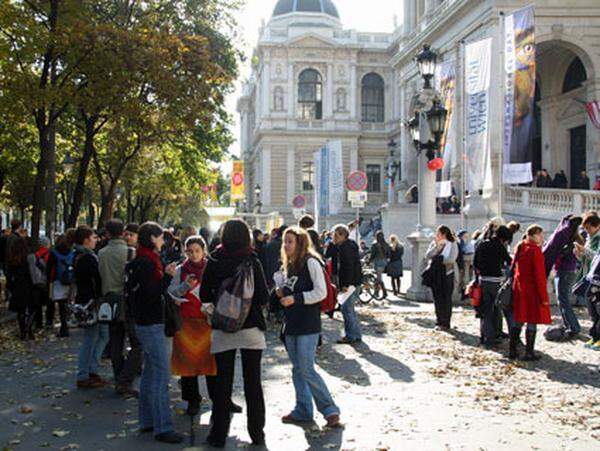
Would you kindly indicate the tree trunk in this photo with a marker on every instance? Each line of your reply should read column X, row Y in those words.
column 51, row 182
column 107, row 205
column 40, row 178
column 86, row 158
column 91, row 214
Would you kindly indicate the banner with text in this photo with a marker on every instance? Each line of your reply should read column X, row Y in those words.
column 478, row 166
column 519, row 115
column 446, row 86
column 237, row 181
column 329, row 178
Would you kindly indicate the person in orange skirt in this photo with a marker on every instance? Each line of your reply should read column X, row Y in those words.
column 191, row 355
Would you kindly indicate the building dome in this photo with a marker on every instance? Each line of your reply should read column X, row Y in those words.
column 305, row 6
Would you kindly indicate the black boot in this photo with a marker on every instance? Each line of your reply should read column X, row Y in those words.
column 513, row 343
column 529, row 344
column 30, row 319
column 21, row 320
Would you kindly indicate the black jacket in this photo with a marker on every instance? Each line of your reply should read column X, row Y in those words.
column 147, row 306
column 222, row 265
column 348, row 263
column 87, row 276
column 300, row 318
column 490, row 258
column 272, row 259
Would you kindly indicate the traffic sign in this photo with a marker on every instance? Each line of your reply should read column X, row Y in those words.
column 298, row 212
column 357, row 196
column 357, row 181
column 357, row 204
column 299, row 201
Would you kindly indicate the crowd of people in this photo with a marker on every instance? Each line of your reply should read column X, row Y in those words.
column 543, row 179
column 182, row 303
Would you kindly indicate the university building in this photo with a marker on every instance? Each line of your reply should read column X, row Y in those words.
column 315, row 81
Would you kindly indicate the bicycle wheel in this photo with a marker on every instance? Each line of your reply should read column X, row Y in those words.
column 366, row 291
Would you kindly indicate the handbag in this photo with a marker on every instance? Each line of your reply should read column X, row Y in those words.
column 473, row 292
column 504, row 298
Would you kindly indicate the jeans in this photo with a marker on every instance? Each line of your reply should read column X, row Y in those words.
column 351, row 324
column 255, row 402
column 154, row 408
column 94, row 340
column 308, row 384
column 563, row 282
column 125, row 370
column 489, row 312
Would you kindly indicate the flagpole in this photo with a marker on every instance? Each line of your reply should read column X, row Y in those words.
column 501, row 32
column 463, row 172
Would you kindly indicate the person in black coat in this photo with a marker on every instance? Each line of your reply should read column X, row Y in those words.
column 236, row 249
column 19, row 282
column 89, row 291
column 349, row 274
column 273, row 256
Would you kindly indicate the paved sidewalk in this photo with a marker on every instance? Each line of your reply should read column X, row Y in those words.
column 406, row 387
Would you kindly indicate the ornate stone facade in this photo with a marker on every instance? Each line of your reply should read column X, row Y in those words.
column 280, row 131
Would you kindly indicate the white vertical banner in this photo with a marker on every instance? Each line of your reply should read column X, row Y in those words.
column 317, row 186
column 478, row 165
column 336, row 177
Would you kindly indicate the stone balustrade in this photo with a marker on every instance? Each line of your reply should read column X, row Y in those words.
column 548, row 203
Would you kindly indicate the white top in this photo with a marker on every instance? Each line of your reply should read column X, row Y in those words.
column 319, row 291
column 253, row 338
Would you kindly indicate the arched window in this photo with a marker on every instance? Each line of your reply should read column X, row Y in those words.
column 310, row 95
column 575, row 76
column 278, row 99
column 372, row 98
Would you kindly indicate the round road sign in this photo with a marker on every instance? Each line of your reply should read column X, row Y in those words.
column 357, row 181
column 299, row 201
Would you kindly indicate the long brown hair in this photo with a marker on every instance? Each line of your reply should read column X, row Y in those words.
column 304, row 250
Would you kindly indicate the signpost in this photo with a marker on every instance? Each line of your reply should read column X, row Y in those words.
column 357, row 184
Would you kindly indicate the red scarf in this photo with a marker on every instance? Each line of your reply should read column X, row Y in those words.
column 197, row 269
column 153, row 256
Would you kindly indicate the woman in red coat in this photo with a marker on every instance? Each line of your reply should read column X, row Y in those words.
column 531, row 303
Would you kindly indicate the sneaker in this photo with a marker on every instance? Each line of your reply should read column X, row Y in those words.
column 89, row 383
column 169, row 437
column 333, row 421
column 596, row 346
column 589, row 343
column 290, row 419
column 127, row 391
column 348, row 341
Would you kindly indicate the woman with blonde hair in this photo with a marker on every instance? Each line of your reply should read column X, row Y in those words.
column 301, row 292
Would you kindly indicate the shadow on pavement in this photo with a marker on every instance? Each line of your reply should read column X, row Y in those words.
column 335, row 363
column 395, row 368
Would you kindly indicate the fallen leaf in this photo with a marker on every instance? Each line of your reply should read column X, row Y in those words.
column 60, row 433
column 26, row 409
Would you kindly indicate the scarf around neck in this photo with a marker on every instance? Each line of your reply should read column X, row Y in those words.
column 151, row 255
column 189, row 267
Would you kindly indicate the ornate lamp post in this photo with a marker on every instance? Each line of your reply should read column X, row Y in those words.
column 426, row 128
column 393, row 171
column 258, row 204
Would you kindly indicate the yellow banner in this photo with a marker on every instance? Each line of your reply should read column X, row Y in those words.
column 237, row 181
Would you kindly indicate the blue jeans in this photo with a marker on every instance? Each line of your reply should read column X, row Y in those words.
column 94, row 341
column 154, row 408
column 563, row 282
column 308, row 384
column 351, row 324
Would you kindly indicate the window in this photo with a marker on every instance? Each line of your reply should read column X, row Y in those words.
column 372, row 98
column 374, row 178
column 308, row 176
column 575, row 76
column 310, row 95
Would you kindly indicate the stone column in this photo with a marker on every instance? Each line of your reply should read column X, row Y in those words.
column 353, row 89
column 266, row 177
column 328, row 95
column 593, row 136
column 410, row 11
column 291, row 97
column 266, row 90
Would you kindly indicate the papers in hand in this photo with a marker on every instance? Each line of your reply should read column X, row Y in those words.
column 279, row 279
column 343, row 296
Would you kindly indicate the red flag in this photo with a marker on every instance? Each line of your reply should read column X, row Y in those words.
column 593, row 109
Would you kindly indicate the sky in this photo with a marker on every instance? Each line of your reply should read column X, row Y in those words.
column 361, row 15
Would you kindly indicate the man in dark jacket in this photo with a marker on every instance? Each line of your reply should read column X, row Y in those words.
column 491, row 257
column 89, row 289
column 273, row 256
column 307, row 223
column 349, row 274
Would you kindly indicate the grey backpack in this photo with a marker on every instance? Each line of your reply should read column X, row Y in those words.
column 234, row 299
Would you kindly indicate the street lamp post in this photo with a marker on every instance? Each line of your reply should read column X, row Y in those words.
column 258, row 204
column 392, row 172
column 426, row 128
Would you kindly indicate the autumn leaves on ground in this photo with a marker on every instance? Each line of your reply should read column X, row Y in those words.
column 406, row 387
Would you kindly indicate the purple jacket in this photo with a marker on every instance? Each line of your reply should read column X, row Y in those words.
column 562, row 236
